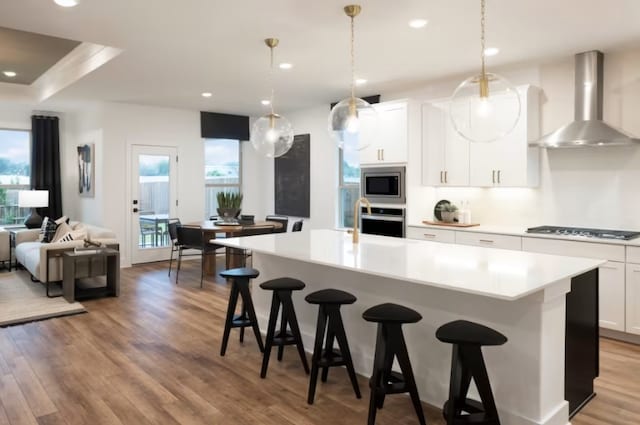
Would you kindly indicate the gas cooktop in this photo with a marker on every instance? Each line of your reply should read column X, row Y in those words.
column 588, row 233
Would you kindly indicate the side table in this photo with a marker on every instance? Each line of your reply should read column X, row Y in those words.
column 90, row 263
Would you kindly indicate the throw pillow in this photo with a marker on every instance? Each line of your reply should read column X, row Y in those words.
column 50, row 231
column 43, row 229
column 61, row 231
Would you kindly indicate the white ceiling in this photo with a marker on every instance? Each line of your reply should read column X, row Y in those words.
column 174, row 50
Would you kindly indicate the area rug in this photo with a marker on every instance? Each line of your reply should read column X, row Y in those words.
column 22, row 300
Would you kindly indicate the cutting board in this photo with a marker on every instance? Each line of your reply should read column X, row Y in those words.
column 442, row 223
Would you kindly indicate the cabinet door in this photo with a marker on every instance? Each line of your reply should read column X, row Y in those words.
column 456, row 154
column 612, row 296
column 369, row 133
column 393, row 132
column 433, row 144
column 633, row 299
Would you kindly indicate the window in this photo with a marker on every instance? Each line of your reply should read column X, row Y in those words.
column 222, row 170
column 349, row 189
column 15, row 174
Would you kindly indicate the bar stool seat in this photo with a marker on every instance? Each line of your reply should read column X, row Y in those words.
column 240, row 278
column 390, row 344
column 286, row 283
column 330, row 320
column 282, row 291
column 467, row 363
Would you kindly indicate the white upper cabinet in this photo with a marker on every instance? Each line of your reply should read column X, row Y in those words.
column 509, row 161
column 450, row 160
column 390, row 143
column 445, row 154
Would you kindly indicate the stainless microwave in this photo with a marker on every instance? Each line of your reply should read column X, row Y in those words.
column 383, row 184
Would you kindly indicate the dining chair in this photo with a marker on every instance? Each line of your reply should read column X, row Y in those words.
column 251, row 231
column 173, row 235
column 192, row 238
column 297, row 226
column 284, row 220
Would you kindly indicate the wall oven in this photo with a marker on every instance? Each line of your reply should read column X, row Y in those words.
column 383, row 221
column 383, row 184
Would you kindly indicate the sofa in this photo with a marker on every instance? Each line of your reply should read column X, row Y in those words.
column 44, row 260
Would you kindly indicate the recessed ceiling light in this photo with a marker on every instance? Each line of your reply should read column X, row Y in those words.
column 491, row 51
column 265, row 102
column 418, row 23
column 361, row 81
column 207, row 94
column 285, row 65
column 9, row 74
column 67, row 3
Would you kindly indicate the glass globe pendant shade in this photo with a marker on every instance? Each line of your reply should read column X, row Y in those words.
column 353, row 124
column 485, row 109
column 272, row 135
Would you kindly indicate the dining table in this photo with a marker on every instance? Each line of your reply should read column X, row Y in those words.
column 212, row 228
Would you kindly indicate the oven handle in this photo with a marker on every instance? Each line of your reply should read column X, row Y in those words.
column 382, row 218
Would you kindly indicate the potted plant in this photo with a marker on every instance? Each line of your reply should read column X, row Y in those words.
column 229, row 205
column 448, row 212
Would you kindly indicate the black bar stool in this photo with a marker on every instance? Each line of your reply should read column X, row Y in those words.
column 390, row 344
column 329, row 318
column 467, row 362
column 240, row 286
column 282, row 289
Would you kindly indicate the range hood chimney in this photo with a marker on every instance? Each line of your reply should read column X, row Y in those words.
column 587, row 129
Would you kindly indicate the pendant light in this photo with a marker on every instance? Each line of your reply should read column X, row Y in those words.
column 272, row 134
column 485, row 107
column 353, row 121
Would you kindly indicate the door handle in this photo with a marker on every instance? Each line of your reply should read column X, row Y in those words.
column 441, row 180
column 493, row 176
column 498, row 176
column 445, row 177
column 135, row 210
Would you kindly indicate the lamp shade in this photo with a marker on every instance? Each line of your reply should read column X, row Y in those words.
column 33, row 198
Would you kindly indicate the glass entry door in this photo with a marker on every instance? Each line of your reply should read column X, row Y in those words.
column 153, row 201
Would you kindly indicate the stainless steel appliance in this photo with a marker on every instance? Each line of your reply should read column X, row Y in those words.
column 383, row 184
column 588, row 233
column 587, row 128
column 383, row 221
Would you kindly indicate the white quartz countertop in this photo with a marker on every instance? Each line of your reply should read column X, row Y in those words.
column 522, row 231
column 494, row 273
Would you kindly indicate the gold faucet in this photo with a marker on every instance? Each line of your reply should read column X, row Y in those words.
column 354, row 232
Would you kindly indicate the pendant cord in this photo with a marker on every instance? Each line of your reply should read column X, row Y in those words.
column 271, row 80
column 482, row 38
column 353, row 61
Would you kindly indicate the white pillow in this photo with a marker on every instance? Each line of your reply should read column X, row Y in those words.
column 61, row 231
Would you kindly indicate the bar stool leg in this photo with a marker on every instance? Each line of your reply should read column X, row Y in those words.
column 375, row 381
column 335, row 322
column 407, row 373
column 231, row 308
column 475, row 361
column 328, row 348
column 287, row 305
column 283, row 333
column 317, row 353
column 243, row 316
column 271, row 329
column 247, row 303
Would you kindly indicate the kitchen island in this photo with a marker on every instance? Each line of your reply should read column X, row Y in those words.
column 544, row 304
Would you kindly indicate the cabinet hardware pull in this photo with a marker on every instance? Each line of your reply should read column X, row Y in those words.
column 378, row 151
column 445, row 177
column 441, row 177
column 498, row 176
column 609, row 267
column 382, row 154
column 429, row 235
column 486, row 241
column 636, row 270
column 493, row 173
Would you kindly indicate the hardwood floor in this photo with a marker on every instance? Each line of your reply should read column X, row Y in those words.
column 152, row 357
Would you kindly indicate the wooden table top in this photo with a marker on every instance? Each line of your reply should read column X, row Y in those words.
column 208, row 225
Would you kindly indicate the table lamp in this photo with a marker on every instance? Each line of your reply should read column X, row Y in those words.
column 33, row 199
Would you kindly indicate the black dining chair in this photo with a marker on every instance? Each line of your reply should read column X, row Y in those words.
column 173, row 235
column 192, row 238
column 297, row 226
column 279, row 219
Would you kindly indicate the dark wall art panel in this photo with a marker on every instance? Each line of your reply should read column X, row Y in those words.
column 293, row 179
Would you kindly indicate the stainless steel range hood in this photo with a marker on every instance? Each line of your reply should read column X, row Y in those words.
column 587, row 129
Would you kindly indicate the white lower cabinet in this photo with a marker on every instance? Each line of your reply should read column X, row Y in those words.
column 429, row 234
column 489, row 240
column 612, row 295
column 633, row 299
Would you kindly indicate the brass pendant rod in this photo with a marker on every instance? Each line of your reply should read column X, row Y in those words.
column 353, row 61
column 482, row 36
column 271, row 43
